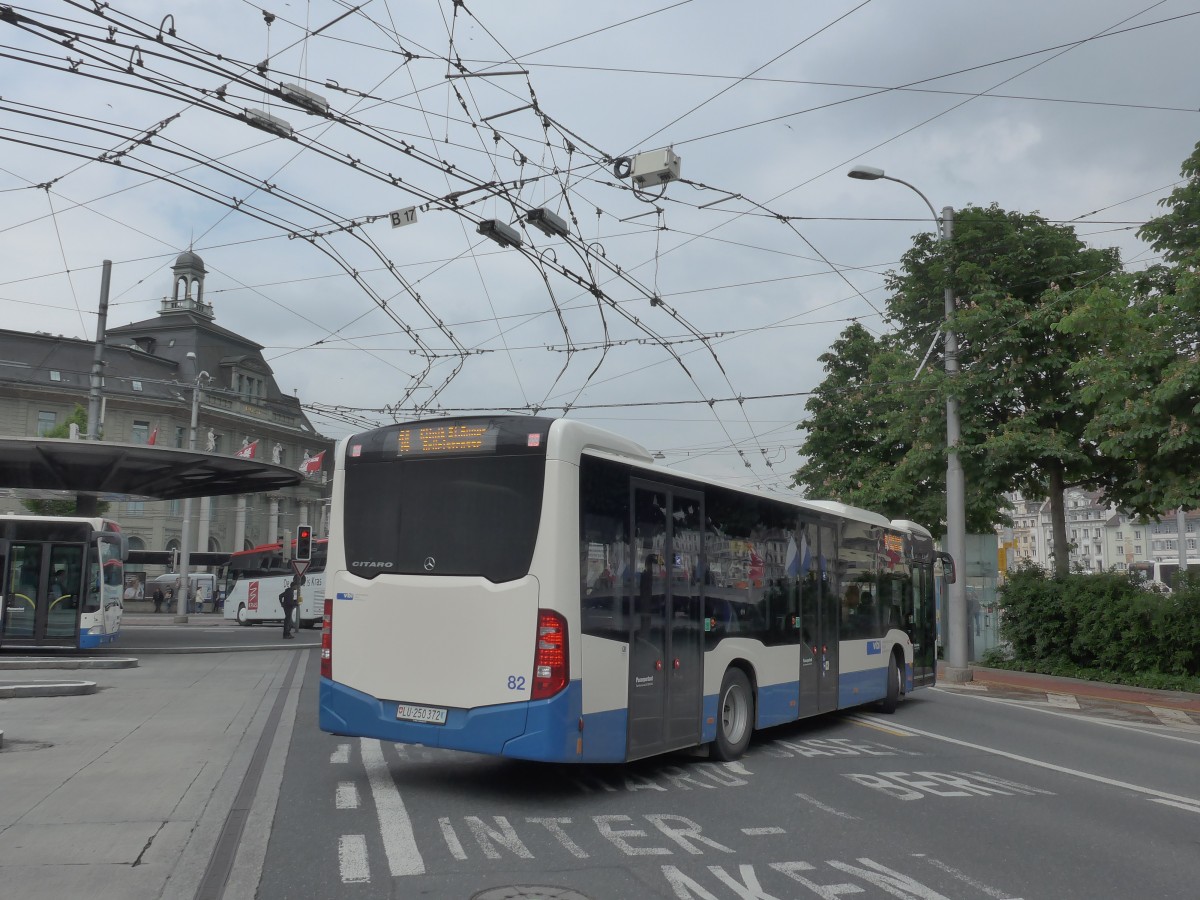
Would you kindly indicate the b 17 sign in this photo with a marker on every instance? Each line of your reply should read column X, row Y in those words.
column 402, row 217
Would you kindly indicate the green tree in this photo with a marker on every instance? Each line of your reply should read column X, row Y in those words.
column 1144, row 390
column 1013, row 276
column 65, row 506
column 872, row 434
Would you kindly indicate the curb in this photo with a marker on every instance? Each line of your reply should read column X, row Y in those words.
column 248, row 648
column 1098, row 690
column 47, row 689
column 50, row 662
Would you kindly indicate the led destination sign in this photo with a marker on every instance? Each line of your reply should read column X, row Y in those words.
column 446, row 438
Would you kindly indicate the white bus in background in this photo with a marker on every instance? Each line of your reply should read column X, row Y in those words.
column 538, row 588
column 255, row 578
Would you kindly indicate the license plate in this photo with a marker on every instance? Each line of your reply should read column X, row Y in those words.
column 429, row 714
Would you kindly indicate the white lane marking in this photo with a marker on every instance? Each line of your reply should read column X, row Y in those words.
column 395, row 827
column 1174, row 717
column 878, row 724
column 341, row 755
column 1053, row 767
column 451, row 838
column 1038, row 706
column 1066, row 701
column 1190, row 806
column 347, row 795
column 770, row 829
column 965, row 878
column 821, row 806
column 352, row 859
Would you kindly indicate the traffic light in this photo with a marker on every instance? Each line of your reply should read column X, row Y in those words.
column 304, row 542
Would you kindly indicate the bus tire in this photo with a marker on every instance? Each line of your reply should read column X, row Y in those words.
column 735, row 715
column 889, row 703
column 241, row 615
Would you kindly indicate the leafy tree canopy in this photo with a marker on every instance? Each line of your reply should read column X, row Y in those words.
column 1013, row 276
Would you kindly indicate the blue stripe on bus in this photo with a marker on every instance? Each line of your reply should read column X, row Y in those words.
column 708, row 725
column 605, row 736
column 776, row 704
column 855, row 688
column 544, row 730
column 88, row 641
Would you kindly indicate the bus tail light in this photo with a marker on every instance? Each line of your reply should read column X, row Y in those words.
column 550, row 671
column 327, row 640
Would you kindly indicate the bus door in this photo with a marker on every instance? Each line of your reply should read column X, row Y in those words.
column 42, row 595
column 808, row 621
column 666, row 665
column 827, row 619
column 921, row 625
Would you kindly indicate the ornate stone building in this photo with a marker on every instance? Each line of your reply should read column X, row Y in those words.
column 150, row 371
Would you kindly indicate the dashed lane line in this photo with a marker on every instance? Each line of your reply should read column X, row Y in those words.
column 1174, row 717
column 352, row 859
column 347, row 795
column 1064, row 701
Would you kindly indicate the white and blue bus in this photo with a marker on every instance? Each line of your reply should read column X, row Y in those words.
column 538, row 588
column 61, row 581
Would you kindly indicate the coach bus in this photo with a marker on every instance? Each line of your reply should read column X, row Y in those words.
column 538, row 588
column 255, row 578
column 61, row 581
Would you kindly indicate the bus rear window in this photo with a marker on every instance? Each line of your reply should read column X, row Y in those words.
column 457, row 515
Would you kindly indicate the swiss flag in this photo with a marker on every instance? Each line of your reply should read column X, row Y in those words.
column 248, row 451
column 312, row 464
column 153, row 437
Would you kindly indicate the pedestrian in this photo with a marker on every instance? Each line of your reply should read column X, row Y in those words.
column 287, row 600
column 199, row 599
column 158, row 599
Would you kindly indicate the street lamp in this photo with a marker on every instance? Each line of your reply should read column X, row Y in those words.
column 186, row 537
column 956, row 515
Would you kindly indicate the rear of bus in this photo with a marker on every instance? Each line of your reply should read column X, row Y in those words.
column 437, row 631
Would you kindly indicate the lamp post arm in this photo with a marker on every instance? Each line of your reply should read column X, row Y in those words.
column 912, row 187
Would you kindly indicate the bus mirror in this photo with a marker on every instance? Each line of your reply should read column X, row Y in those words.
column 948, row 570
column 118, row 538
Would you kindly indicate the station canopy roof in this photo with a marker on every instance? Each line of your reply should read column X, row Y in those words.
column 132, row 471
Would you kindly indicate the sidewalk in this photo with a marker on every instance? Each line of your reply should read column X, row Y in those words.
column 121, row 794
column 1097, row 690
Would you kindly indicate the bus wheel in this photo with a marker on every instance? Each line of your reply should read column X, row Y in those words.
column 241, row 615
column 889, row 703
column 735, row 715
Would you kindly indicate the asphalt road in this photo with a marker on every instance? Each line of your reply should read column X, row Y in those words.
column 201, row 773
column 962, row 793
column 159, row 634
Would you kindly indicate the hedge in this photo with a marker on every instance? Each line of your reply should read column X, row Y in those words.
column 1103, row 622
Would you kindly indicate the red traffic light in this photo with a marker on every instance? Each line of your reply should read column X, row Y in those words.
column 304, row 542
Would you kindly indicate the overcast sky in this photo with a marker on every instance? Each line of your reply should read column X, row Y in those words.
column 689, row 317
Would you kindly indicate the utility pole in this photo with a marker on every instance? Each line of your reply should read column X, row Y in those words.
column 85, row 504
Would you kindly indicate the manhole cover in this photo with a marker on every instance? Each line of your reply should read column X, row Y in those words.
column 530, row 892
